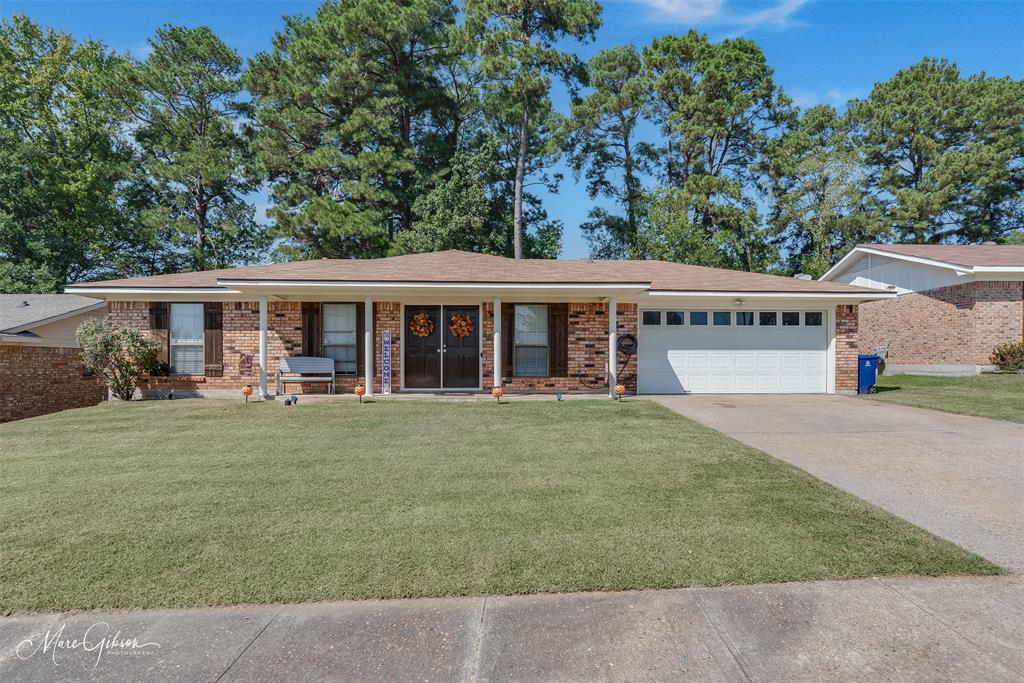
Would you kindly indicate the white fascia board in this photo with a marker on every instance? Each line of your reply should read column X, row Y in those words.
column 55, row 318
column 996, row 270
column 863, row 296
column 958, row 269
column 434, row 285
column 853, row 255
column 107, row 291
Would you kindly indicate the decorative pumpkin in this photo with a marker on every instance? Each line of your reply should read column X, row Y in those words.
column 620, row 390
column 460, row 325
column 421, row 325
column 497, row 392
column 247, row 392
column 359, row 391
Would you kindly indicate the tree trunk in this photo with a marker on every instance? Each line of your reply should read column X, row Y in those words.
column 630, row 194
column 517, row 206
column 201, row 209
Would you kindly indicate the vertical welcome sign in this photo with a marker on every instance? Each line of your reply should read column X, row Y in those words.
column 385, row 362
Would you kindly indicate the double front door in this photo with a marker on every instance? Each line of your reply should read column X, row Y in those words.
column 442, row 347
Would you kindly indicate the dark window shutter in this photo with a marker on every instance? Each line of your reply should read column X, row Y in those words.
column 213, row 339
column 312, row 329
column 558, row 340
column 159, row 316
column 360, row 346
column 508, row 333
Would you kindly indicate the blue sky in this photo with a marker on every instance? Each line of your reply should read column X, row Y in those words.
column 821, row 51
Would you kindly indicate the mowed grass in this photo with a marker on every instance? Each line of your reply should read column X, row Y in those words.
column 1000, row 397
column 191, row 502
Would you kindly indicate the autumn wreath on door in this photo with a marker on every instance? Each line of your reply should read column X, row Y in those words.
column 421, row 325
column 460, row 325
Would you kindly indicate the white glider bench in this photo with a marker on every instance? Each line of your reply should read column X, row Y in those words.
column 305, row 369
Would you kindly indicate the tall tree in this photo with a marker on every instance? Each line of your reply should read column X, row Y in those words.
column 605, row 144
column 62, row 161
column 945, row 153
column 818, row 187
column 518, row 57
column 185, row 98
column 352, row 113
column 718, row 107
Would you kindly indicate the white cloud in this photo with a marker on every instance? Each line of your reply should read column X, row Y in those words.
column 722, row 13
column 837, row 97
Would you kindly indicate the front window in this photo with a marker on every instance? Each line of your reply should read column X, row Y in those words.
column 531, row 340
column 187, row 339
column 340, row 337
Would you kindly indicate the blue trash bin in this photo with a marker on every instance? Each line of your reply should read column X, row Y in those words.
column 867, row 373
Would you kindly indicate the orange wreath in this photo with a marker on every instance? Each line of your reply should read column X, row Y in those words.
column 461, row 325
column 421, row 325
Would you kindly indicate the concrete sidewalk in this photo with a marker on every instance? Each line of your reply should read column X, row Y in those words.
column 964, row 629
column 958, row 476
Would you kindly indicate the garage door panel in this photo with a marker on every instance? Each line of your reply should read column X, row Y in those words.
column 732, row 359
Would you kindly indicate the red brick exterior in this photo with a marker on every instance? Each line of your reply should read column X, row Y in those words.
column 956, row 325
column 847, row 337
column 37, row 380
column 588, row 352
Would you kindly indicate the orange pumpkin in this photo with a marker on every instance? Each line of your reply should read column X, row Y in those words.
column 497, row 392
column 620, row 390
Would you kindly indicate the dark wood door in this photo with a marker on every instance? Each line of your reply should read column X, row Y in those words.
column 423, row 354
column 461, row 354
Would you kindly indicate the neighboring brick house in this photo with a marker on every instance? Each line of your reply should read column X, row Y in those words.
column 954, row 304
column 40, row 365
column 460, row 321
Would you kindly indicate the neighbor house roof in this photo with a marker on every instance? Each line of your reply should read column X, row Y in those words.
column 20, row 312
column 965, row 258
column 461, row 268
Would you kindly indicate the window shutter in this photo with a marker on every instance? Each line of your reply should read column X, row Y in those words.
column 159, row 316
column 508, row 333
column 312, row 329
column 213, row 339
column 360, row 346
column 558, row 339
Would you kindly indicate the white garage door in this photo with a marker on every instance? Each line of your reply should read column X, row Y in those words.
column 732, row 352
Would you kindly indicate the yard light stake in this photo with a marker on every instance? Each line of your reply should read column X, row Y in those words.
column 497, row 392
column 360, row 390
column 247, row 392
column 620, row 390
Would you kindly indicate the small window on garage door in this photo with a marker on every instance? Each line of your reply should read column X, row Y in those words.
column 791, row 319
column 698, row 317
column 767, row 318
column 744, row 318
column 812, row 318
column 673, row 317
column 652, row 317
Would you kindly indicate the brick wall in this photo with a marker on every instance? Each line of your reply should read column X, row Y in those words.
column 956, row 325
column 588, row 352
column 37, row 380
column 847, row 342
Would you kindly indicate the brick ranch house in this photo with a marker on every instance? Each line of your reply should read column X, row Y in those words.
column 954, row 304
column 41, row 367
column 460, row 321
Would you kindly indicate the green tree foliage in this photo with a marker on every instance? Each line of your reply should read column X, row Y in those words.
column 608, row 150
column 119, row 355
column 945, row 154
column 718, row 108
column 818, row 186
column 518, row 58
column 62, row 162
column 352, row 114
column 185, row 100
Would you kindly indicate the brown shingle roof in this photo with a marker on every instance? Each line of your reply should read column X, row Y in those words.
column 993, row 255
column 462, row 267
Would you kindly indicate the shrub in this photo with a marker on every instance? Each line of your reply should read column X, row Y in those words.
column 119, row 355
column 1008, row 356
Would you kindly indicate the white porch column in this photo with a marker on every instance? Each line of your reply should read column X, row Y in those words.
column 368, row 345
column 613, row 371
column 497, row 341
column 263, row 347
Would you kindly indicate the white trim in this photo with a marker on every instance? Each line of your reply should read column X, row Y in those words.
column 263, row 347
column 83, row 289
column 999, row 269
column 613, row 356
column 496, row 324
column 830, row 352
column 435, row 285
column 54, row 318
column 368, row 346
column 856, row 251
column 866, row 295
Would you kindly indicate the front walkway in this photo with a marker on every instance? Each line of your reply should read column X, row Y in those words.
column 959, row 477
column 965, row 629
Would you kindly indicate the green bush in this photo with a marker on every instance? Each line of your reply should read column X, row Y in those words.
column 1008, row 356
column 119, row 355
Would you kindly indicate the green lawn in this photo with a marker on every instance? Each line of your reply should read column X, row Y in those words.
column 997, row 396
column 213, row 502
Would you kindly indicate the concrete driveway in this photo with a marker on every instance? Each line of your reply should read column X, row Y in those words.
column 959, row 477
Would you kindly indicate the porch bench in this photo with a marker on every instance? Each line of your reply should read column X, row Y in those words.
column 304, row 369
